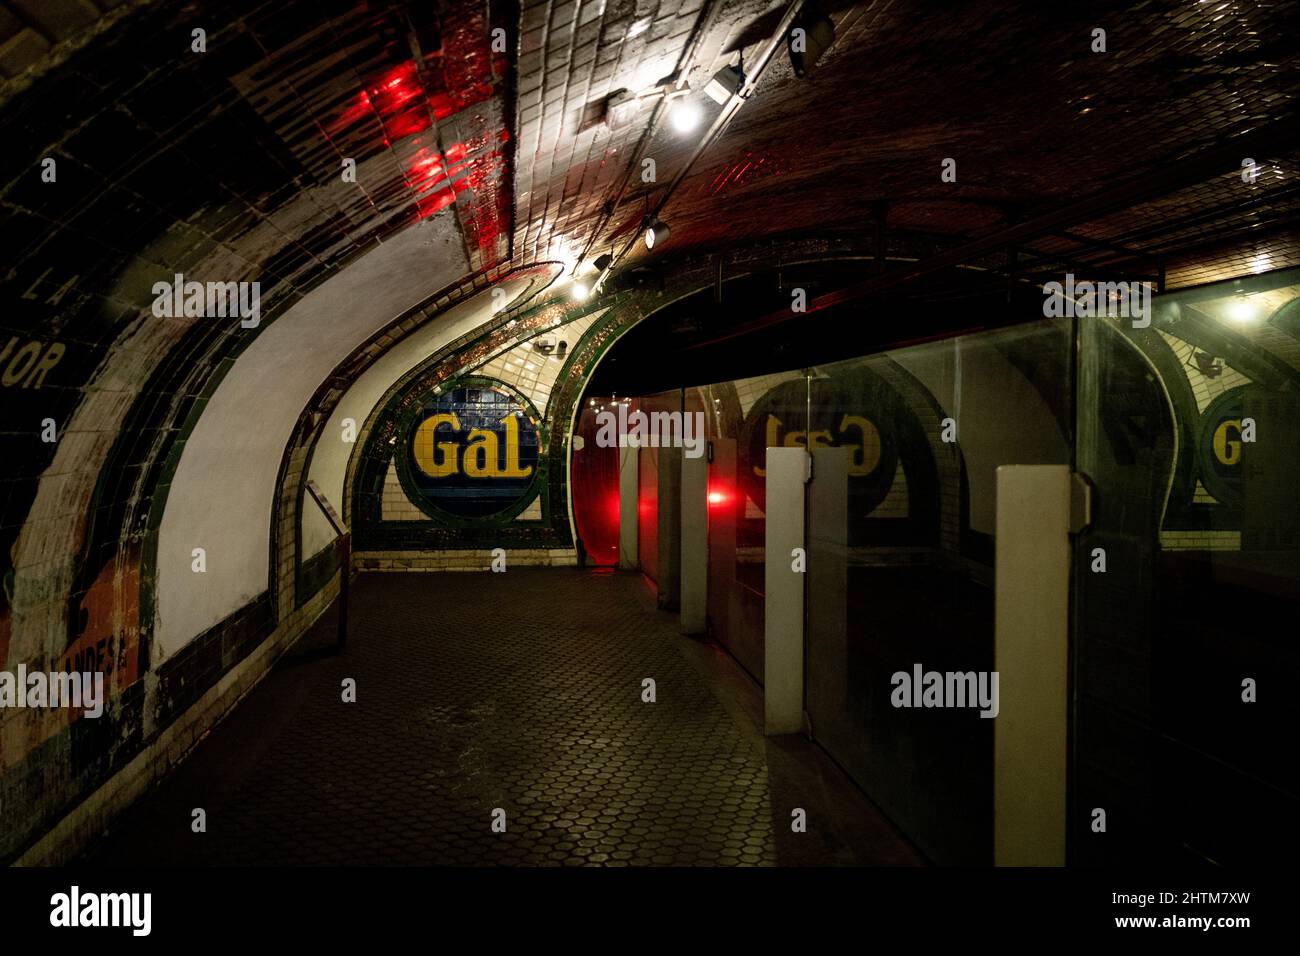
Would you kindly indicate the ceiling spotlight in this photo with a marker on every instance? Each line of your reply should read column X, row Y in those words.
column 561, row 251
column 811, row 36
column 685, row 116
column 621, row 108
column 580, row 292
column 725, row 84
column 656, row 233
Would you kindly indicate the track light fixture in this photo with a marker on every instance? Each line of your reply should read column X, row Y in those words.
column 811, row 36
column 621, row 108
column 725, row 84
column 656, row 233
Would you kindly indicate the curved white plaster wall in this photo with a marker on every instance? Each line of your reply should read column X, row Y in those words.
column 222, row 494
column 330, row 460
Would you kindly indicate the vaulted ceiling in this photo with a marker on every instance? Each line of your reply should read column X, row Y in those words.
column 216, row 139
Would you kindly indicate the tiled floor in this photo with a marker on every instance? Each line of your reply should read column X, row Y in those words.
column 520, row 691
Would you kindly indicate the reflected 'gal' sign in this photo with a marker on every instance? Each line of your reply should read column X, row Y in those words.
column 473, row 451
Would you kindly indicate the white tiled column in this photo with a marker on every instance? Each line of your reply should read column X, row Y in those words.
column 787, row 472
column 628, row 485
column 695, row 544
column 1031, row 642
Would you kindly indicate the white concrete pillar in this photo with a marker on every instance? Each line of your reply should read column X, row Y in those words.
column 629, row 480
column 694, row 544
column 1031, row 644
column 828, row 585
column 787, row 473
column 668, row 571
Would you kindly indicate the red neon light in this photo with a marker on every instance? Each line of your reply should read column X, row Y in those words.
column 718, row 496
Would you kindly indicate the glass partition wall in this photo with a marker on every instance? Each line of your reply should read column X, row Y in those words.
column 1186, row 584
column 900, row 568
column 1182, row 649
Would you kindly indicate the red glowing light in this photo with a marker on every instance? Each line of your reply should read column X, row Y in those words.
column 745, row 172
column 424, row 163
column 399, row 104
column 407, row 124
column 438, row 201
column 442, row 105
column 395, row 89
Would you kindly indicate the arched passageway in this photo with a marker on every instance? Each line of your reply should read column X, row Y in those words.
column 696, row 433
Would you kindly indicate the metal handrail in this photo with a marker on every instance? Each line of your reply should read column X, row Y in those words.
column 343, row 544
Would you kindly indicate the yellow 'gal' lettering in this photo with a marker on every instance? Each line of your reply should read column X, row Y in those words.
column 866, row 456
column 436, row 459
column 513, row 468
column 1228, row 452
column 481, row 454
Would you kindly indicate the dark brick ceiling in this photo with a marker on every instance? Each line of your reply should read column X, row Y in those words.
column 231, row 158
column 225, row 164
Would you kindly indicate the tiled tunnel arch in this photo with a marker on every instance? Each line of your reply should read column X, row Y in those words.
column 624, row 307
column 472, row 163
column 618, row 313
